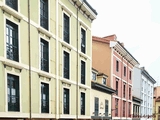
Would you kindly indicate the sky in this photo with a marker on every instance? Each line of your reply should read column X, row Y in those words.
column 136, row 23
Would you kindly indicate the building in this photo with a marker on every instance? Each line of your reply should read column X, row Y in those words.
column 147, row 83
column 45, row 59
column 136, row 93
column 118, row 64
column 156, row 103
column 101, row 96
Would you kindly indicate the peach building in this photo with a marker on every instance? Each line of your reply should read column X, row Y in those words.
column 110, row 57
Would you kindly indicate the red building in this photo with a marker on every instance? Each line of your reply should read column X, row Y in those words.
column 112, row 58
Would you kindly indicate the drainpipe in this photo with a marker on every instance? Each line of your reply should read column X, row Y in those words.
column 77, row 72
column 29, row 48
column 57, row 63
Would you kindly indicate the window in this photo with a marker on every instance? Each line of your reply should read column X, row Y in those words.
column 12, row 41
column 66, row 101
column 104, row 81
column 94, row 76
column 116, row 87
column 82, row 103
column 124, row 104
column 124, row 90
column 44, row 56
column 117, row 65
column 124, row 70
column 44, row 98
column 12, row 4
column 106, row 107
column 44, row 14
column 82, row 72
column 83, row 40
column 158, row 109
column 130, row 93
column 13, row 92
column 130, row 75
column 66, row 70
column 129, row 109
column 116, row 107
column 96, row 106
column 66, row 29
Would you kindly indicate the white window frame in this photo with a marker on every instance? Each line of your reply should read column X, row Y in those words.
column 85, row 29
column 85, row 72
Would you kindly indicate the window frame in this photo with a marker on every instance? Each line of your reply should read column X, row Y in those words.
column 17, row 7
column 158, row 109
column 84, row 103
column 48, row 97
column 124, row 107
column 94, row 76
column 124, row 90
column 130, row 89
column 85, row 42
column 68, row 65
column 124, row 71
column 117, row 86
column 69, row 16
column 19, row 79
column 40, row 37
column 84, row 72
column 106, row 107
column 117, row 65
column 130, row 74
column 69, row 101
column 39, row 15
column 96, row 99
column 116, row 107
column 104, row 78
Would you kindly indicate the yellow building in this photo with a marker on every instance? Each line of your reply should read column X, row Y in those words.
column 45, row 59
column 101, row 96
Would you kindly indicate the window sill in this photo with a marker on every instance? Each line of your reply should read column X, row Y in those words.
column 42, row 30
column 11, row 11
column 66, row 45
column 66, row 81
column 84, row 86
column 83, row 55
column 12, row 64
column 45, row 74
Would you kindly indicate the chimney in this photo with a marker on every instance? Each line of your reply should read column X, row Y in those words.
column 122, row 44
column 111, row 37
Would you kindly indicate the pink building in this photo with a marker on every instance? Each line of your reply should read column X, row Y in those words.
column 117, row 63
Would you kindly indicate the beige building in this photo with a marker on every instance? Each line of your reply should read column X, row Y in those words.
column 101, row 96
column 45, row 59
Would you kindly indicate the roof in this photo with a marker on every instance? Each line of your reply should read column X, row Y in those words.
column 144, row 72
column 95, row 12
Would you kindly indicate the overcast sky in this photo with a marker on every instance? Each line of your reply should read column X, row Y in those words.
column 137, row 24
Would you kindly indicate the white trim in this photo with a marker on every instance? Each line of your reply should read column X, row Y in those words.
column 85, row 29
column 84, row 86
column 84, row 116
column 70, row 105
column 43, row 115
column 14, row 115
column 6, row 89
column 24, row 66
column 85, row 72
column 19, row 43
column 116, row 56
column 46, row 82
column 67, row 116
column 67, row 81
column 117, row 97
column 111, row 78
column 11, row 11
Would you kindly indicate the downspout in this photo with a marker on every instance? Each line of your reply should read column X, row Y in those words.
column 57, row 106
column 29, row 48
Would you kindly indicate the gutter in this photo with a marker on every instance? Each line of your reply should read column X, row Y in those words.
column 29, row 50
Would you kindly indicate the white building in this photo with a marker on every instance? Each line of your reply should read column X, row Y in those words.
column 147, row 85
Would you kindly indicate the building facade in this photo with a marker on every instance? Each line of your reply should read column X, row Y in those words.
column 146, row 94
column 118, row 64
column 156, row 103
column 101, row 96
column 45, row 59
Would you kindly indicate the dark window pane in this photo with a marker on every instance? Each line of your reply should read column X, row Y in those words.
column 83, row 40
column 12, row 49
column 66, row 101
column 96, row 106
column 82, row 103
column 44, row 13
column 44, row 56
column 66, row 28
column 13, row 92
column 106, row 107
column 66, row 65
column 13, row 4
column 82, row 72
column 44, row 98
